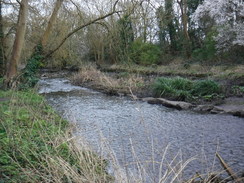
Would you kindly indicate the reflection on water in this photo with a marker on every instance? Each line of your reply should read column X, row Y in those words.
column 136, row 130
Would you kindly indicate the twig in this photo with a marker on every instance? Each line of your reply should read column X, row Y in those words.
column 227, row 168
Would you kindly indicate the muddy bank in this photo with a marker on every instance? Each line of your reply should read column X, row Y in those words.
column 233, row 105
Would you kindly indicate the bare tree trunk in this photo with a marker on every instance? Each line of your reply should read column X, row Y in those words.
column 18, row 44
column 50, row 23
column 185, row 20
column 184, row 17
column 183, row 8
column 2, row 51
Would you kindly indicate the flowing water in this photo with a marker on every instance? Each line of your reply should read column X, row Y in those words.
column 140, row 132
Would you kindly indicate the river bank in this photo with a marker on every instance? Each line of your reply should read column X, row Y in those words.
column 36, row 144
column 138, row 133
column 138, row 85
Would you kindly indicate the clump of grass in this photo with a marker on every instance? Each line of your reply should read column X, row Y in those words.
column 125, row 83
column 174, row 88
column 205, row 87
column 36, row 144
column 184, row 89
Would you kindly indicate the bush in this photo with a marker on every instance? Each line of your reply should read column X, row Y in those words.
column 208, row 51
column 144, row 53
column 181, row 89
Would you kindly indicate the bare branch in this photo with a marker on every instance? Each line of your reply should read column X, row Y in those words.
column 114, row 7
column 79, row 28
column 18, row 2
column 78, row 9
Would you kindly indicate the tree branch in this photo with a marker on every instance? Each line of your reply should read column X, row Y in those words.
column 79, row 28
column 18, row 2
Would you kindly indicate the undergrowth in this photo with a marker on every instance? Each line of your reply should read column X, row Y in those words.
column 29, row 77
column 184, row 89
column 36, row 144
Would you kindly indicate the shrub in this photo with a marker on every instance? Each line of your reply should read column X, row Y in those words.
column 207, row 51
column 144, row 53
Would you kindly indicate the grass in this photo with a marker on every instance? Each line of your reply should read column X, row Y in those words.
column 238, row 90
column 184, row 89
column 36, row 144
column 124, row 83
column 179, row 68
column 174, row 88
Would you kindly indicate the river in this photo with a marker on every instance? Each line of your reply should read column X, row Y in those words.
column 138, row 133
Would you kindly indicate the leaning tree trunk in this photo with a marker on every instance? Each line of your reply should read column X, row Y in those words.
column 18, row 45
column 50, row 23
column 2, row 51
column 28, row 76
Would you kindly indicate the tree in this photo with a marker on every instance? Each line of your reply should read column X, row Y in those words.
column 2, row 51
column 229, row 19
column 169, row 13
column 51, row 22
column 18, row 45
column 126, row 36
column 194, row 31
column 183, row 7
column 162, row 32
column 184, row 17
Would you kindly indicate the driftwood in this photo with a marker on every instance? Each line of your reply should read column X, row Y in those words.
column 230, row 172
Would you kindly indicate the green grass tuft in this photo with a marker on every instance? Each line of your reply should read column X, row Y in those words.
column 174, row 88
column 205, row 87
column 184, row 89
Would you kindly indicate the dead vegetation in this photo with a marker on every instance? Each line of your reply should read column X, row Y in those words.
column 124, row 83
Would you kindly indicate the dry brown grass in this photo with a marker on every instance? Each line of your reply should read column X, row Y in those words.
column 179, row 69
column 126, row 83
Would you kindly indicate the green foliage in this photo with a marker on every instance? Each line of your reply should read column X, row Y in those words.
column 205, row 87
column 174, row 88
column 207, row 51
column 23, row 134
column 235, row 55
column 126, row 37
column 29, row 78
column 31, row 133
column 144, row 53
column 126, row 30
column 183, row 89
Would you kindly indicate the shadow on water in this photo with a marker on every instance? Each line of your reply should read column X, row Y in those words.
column 140, row 132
